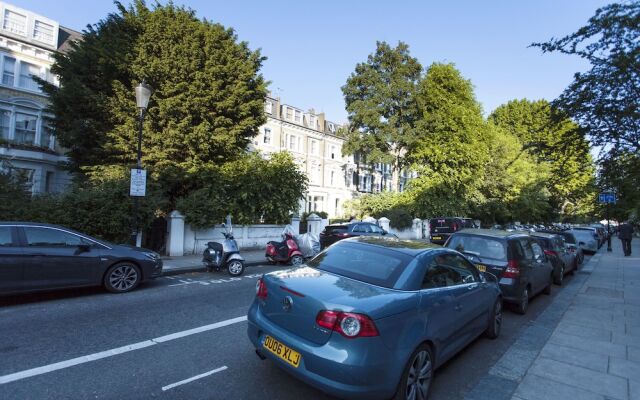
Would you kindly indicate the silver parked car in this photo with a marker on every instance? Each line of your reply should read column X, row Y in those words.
column 587, row 240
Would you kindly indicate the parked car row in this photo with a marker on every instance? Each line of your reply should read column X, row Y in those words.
column 373, row 316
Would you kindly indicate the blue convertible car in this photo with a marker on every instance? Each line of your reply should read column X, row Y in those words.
column 372, row 318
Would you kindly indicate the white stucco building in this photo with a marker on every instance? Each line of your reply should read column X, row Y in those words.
column 317, row 147
column 28, row 144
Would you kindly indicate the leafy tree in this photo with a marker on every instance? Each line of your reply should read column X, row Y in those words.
column 604, row 100
column 381, row 106
column 509, row 173
column 621, row 173
column 208, row 94
column 556, row 142
column 450, row 150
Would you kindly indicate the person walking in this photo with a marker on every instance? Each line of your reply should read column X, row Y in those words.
column 625, row 233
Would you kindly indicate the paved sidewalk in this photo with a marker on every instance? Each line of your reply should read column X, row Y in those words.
column 193, row 263
column 594, row 352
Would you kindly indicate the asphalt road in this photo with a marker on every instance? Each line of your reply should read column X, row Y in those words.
column 180, row 337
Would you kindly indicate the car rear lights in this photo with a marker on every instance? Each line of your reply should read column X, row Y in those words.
column 512, row 271
column 551, row 253
column 261, row 289
column 349, row 325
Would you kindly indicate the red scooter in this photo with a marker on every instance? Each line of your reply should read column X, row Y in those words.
column 286, row 251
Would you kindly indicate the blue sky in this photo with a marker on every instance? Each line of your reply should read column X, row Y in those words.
column 312, row 47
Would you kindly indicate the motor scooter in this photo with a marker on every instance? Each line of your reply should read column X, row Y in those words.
column 224, row 255
column 286, row 251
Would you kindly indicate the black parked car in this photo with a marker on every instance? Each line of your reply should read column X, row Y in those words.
column 515, row 258
column 571, row 243
column 441, row 228
column 563, row 261
column 35, row 257
column 334, row 233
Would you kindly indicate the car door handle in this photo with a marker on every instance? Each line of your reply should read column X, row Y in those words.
column 471, row 287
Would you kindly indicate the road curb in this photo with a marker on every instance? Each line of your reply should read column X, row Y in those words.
column 180, row 271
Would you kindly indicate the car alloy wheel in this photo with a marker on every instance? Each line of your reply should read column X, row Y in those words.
column 495, row 322
column 560, row 277
column 235, row 268
column 122, row 278
column 297, row 260
column 419, row 379
column 523, row 305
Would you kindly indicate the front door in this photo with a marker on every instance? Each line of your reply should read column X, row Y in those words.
column 56, row 259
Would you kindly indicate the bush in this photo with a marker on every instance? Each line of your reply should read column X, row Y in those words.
column 252, row 189
column 399, row 218
column 102, row 209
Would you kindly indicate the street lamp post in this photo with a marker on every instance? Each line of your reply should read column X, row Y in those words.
column 143, row 93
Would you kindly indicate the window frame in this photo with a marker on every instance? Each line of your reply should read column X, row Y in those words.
column 15, row 239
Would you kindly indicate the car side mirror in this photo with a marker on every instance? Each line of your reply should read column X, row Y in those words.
column 384, row 232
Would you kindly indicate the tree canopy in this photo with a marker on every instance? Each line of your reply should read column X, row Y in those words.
column 604, row 99
column 207, row 100
column 381, row 105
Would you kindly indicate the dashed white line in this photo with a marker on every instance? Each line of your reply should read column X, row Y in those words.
column 164, row 388
column 113, row 352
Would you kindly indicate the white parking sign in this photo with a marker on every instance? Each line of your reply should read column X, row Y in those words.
column 138, row 183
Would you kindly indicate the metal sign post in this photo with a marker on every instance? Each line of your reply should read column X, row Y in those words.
column 608, row 198
column 137, row 189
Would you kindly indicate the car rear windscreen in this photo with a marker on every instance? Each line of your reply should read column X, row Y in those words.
column 482, row 246
column 366, row 263
column 329, row 229
column 568, row 237
column 444, row 225
column 544, row 242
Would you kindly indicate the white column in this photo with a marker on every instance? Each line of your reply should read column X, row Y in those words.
column 314, row 223
column 384, row 223
column 416, row 229
column 295, row 223
column 37, row 140
column 175, row 239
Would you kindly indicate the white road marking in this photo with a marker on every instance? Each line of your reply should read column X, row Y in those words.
column 113, row 352
column 164, row 388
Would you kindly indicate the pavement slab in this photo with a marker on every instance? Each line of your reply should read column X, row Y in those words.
column 593, row 381
column 596, row 362
column 534, row 387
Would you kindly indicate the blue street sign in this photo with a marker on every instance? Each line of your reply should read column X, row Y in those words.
column 607, row 198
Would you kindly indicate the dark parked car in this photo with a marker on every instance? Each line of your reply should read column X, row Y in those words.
column 563, row 260
column 515, row 258
column 372, row 317
column 441, row 228
column 36, row 257
column 334, row 233
column 571, row 243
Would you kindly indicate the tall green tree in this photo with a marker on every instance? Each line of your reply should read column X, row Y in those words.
column 208, row 92
column 604, row 99
column 514, row 185
column 381, row 106
column 449, row 150
column 557, row 142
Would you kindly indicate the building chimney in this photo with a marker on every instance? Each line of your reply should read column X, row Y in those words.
column 321, row 121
